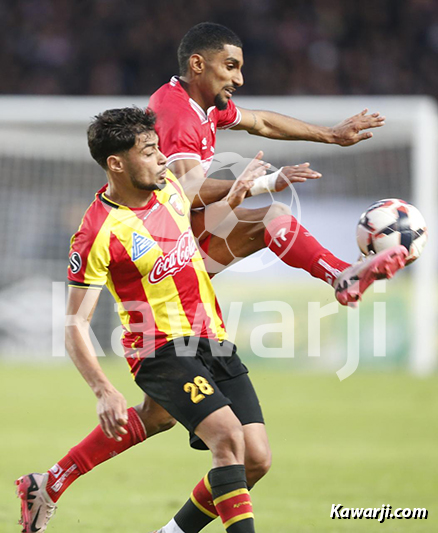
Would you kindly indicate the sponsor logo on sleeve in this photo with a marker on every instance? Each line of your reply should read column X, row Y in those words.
column 75, row 262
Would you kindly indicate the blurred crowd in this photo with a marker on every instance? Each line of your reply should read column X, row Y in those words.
column 299, row 47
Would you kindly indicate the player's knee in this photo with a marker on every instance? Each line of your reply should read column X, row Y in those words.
column 276, row 210
column 233, row 439
column 257, row 465
column 230, row 445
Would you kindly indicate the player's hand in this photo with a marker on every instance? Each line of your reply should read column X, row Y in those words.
column 295, row 174
column 113, row 414
column 348, row 132
column 245, row 181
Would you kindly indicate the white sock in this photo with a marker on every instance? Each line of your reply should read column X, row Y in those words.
column 172, row 527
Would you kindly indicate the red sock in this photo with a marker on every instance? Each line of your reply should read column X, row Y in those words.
column 93, row 450
column 297, row 248
column 61, row 476
column 201, row 497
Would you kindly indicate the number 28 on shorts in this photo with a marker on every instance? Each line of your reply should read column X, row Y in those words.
column 198, row 389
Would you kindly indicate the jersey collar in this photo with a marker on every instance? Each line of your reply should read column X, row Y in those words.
column 101, row 196
column 203, row 116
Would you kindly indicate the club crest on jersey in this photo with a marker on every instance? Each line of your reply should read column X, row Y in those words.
column 75, row 262
column 175, row 260
column 177, row 204
column 140, row 245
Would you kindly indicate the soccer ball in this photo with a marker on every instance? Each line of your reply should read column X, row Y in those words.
column 388, row 223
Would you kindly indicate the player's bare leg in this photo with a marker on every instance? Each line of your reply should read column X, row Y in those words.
column 258, row 456
column 276, row 228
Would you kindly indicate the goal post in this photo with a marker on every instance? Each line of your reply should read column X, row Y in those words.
column 47, row 179
column 425, row 193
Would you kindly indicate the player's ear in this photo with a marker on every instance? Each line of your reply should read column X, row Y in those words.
column 196, row 63
column 115, row 163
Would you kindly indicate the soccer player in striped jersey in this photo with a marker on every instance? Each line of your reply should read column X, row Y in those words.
column 136, row 239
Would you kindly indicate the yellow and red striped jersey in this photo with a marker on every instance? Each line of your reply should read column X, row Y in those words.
column 150, row 262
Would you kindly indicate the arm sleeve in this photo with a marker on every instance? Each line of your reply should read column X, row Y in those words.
column 229, row 117
column 89, row 259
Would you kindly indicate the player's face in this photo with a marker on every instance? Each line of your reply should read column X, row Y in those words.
column 222, row 75
column 144, row 164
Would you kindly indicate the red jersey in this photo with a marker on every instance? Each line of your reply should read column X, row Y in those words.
column 184, row 129
column 148, row 259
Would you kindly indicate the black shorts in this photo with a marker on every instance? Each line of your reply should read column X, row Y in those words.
column 244, row 403
column 193, row 383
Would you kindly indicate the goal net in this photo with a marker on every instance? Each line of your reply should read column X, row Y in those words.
column 48, row 179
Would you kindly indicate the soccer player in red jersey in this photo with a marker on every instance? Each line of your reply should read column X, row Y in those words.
column 190, row 109
column 136, row 239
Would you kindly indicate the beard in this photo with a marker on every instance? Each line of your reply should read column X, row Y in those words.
column 144, row 186
column 220, row 102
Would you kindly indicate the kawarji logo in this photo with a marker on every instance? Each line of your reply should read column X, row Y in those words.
column 140, row 245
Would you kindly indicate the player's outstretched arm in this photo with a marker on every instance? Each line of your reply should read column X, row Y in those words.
column 202, row 191
column 111, row 405
column 276, row 126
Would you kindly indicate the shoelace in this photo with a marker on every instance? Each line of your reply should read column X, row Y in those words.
column 50, row 510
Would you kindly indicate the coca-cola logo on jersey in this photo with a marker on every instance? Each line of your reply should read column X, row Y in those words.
column 175, row 260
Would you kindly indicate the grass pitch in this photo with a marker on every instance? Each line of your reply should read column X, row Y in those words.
column 368, row 441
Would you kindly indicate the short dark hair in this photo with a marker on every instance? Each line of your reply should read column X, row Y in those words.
column 204, row 37
column 115, row 131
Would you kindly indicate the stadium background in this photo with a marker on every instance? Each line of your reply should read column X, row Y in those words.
column 363, row 442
